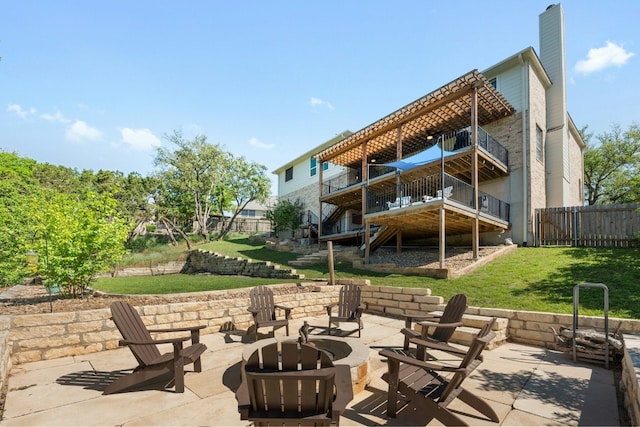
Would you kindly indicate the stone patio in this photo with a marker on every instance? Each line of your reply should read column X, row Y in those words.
column 525, row 385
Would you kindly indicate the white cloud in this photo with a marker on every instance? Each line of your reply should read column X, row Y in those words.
column 603, row 57
column 80, row 131
column 23, row 114
column 57, row 117
column 140, row 139
column 317, row 102
column 255, row 142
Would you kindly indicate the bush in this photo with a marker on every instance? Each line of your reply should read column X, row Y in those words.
column 143, row 243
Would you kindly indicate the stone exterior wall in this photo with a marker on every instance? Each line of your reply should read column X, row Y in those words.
column 200, row 261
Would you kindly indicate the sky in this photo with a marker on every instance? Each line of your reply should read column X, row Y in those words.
column 101, row 84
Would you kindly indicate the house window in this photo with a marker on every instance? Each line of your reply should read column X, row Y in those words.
column 325, row 166
column 288, row 174
column 313, row 166
column 539, row 144
column 494, row 82
column 248, row 213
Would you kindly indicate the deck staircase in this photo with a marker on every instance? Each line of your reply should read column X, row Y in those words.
column 380, row 237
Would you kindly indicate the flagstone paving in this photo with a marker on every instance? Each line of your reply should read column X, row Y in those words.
column 525, row 385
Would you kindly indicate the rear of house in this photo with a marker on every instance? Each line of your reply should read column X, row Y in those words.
column 466, row 164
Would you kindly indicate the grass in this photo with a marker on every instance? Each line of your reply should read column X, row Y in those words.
column 536, row 279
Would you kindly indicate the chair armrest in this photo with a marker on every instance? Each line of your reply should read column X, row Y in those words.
column 253, row 310
column 186, row 328
column 329, row 308
column 410, row 318
column 287, row 310
column 393, row 356
column 242, row 396
column 440, row 325
column 154, row 342
column 344, row 391
column 195, row 331
column 435, row 345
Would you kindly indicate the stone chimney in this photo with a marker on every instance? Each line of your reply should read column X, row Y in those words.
column 552, row 56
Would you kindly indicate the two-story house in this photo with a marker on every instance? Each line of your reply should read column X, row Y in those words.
column 466, row 164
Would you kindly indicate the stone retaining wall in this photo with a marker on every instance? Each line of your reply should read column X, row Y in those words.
column 200, row 261
column 52, row 335
column 48, row 336
column 5, row 359
column 629, row 381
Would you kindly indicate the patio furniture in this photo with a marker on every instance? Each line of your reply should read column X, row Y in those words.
column 153, row 366
column 400, row 202
column 444, row 324
column 447, row 192
column 263, row 310
column 422, row 383
column 349, row 308
column 296, row 384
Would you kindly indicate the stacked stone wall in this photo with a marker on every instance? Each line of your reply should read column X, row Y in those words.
column 37, row 337
column 200, row 261
column 629, row 385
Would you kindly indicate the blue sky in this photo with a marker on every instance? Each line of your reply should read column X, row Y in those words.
column 98, row 84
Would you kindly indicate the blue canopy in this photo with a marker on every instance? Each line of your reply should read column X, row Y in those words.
column 422, row 158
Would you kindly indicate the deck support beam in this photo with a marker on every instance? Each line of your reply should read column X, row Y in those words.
column 475, row 238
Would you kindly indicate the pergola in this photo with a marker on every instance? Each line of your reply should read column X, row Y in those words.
column 468, row 101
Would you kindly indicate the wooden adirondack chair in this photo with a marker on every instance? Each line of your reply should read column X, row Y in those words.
column 296, row 384
column 349, row 307
column 421, row 382
column 263, row 310
column 443, row 325
column 152, row 365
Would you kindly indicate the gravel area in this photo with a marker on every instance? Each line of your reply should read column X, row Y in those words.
column 456, row 258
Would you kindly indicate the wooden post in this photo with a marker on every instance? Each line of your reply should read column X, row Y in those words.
column 332, row 276
column 443, row 235
column 475, row 229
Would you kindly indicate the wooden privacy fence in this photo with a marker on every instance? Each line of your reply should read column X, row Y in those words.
column 592, row 226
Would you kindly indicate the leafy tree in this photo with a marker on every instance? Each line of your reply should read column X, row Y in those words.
column 16, row 185
column 190, row 174
column 199, row 179
column 612, row 166
column 286, row 215
column 79, row 235
column 241, row 183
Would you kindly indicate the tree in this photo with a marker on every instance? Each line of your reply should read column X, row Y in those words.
column 190, row 174
column 286, row 215
column 612, row 166
column 242, row 182
column 79, row 235
column 198, row 180
column 16, row 185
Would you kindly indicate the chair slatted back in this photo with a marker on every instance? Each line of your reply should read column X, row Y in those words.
column 349, row 300
column 130, row 325
column 452, row 313
column 288, row 379
column 471, row 360
column 261, row 298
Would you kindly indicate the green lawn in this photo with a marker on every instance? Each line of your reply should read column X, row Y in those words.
column 537, row 279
